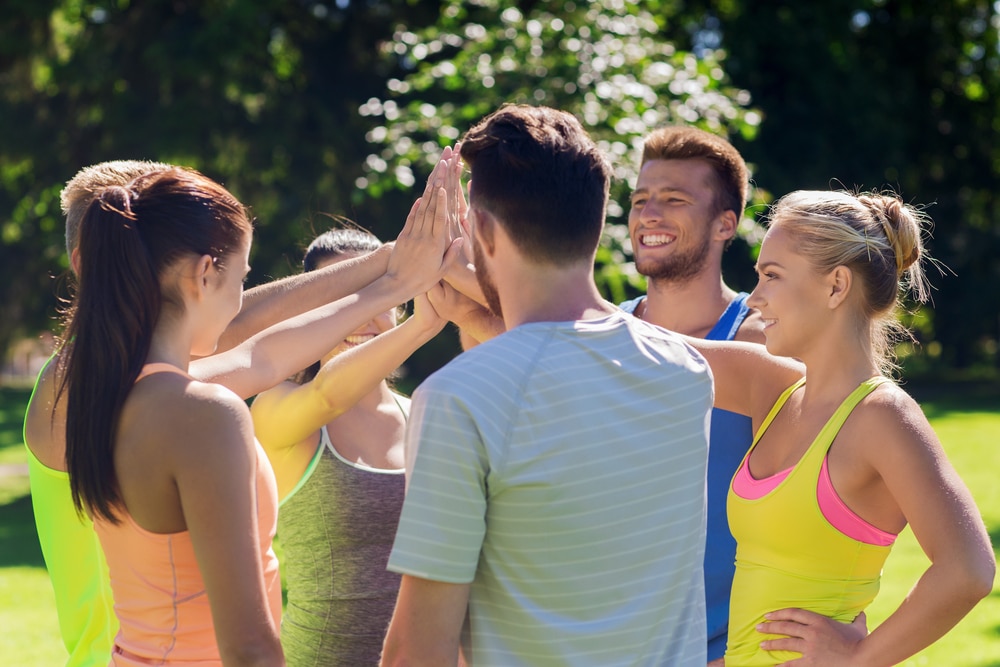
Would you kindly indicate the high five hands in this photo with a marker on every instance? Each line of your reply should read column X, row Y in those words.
column 431, row 240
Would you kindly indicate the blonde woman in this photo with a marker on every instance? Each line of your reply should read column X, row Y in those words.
column 843, row 459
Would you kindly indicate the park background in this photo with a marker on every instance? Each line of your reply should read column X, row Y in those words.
column 310, row 111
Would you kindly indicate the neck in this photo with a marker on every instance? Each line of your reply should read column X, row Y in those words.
column 837, row 363
column 691, row 307
column 171, row 341
column 545, row 293
column 376, row 397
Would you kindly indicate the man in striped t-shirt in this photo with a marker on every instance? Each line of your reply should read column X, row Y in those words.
column 555, row 511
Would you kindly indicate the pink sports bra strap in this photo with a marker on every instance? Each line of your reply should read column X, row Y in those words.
column 160, row 367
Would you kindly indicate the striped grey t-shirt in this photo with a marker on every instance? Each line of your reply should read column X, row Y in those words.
column 560, row 468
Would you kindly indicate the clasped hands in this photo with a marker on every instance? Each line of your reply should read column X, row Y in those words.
column 428, row 253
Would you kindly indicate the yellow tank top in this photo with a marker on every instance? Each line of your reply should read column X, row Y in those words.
column 788, row 554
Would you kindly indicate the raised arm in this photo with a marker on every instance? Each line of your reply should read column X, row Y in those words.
column 476, row 323
column 421, row 256
column 289, row 414
column 280, row 300
column 748, row 380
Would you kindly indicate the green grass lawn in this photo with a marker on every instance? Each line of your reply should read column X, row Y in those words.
column 967, row 418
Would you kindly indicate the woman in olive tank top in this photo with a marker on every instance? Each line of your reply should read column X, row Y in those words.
column 335, row 437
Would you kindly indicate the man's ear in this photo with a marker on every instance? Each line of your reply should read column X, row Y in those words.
column 485, row 231
column 74, row 260
column 839, row 283
column 724, row 225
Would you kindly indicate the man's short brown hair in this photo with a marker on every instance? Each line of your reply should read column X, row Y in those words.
column 538, row 171
column 79, row 191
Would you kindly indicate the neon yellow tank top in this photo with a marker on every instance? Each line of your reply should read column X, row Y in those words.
column 788, row 554
column 76, row 566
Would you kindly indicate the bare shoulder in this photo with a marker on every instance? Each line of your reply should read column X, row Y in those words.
column 45, row 419
column 890, row 407
column 751, row 329
column 892, row 419
column 186, row 414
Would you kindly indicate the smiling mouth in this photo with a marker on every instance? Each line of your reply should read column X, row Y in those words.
column 358, row 339
column 655, row 240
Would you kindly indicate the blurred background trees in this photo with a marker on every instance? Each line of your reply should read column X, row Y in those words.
column 307, row 108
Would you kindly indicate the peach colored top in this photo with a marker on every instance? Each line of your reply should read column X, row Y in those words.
column 160, row 597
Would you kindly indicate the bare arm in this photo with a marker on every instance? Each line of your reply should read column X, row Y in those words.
column 279, row 300
column 290, row 346
column 285, row 418
column 218, row 497
column 421, row 256
column 462, row 277
column 426, row 625
column 748, row 380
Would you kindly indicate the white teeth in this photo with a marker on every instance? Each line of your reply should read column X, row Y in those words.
column 358, row 339
column 656, row 239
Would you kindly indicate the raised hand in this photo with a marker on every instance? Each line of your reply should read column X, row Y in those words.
column 427, row 246
column 425, row 315
column 476, row 322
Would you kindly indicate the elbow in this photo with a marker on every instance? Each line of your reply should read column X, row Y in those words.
column 393, row 654
column 983, row 576
column 253, row 654
column 974, row 580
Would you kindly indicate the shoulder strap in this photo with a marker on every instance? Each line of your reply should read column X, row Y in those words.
column 840, row 415
column 731, row 319
column 775, row 409
column 160, row 367
column 324, row 443
column 399, row 404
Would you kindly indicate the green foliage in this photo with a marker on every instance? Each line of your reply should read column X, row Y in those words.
column 261, row 95
column 897, row 94
column 610, row 64
column 316, row 106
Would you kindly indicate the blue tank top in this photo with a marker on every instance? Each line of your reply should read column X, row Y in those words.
column 729, row 441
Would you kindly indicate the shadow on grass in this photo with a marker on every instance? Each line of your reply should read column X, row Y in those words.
column 940, row 399
column 12, row 404
column 18, row 538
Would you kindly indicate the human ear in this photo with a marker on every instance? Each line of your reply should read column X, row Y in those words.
column 839, row 282
column 197, row 278
column 205, row 268
column 725, row 225
column 485, row 231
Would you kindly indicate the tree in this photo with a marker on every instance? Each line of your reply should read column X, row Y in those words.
column 259, row 94
column 607, row 63
column 900, row 94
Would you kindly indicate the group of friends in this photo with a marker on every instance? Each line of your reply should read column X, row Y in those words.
column 651, row 483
